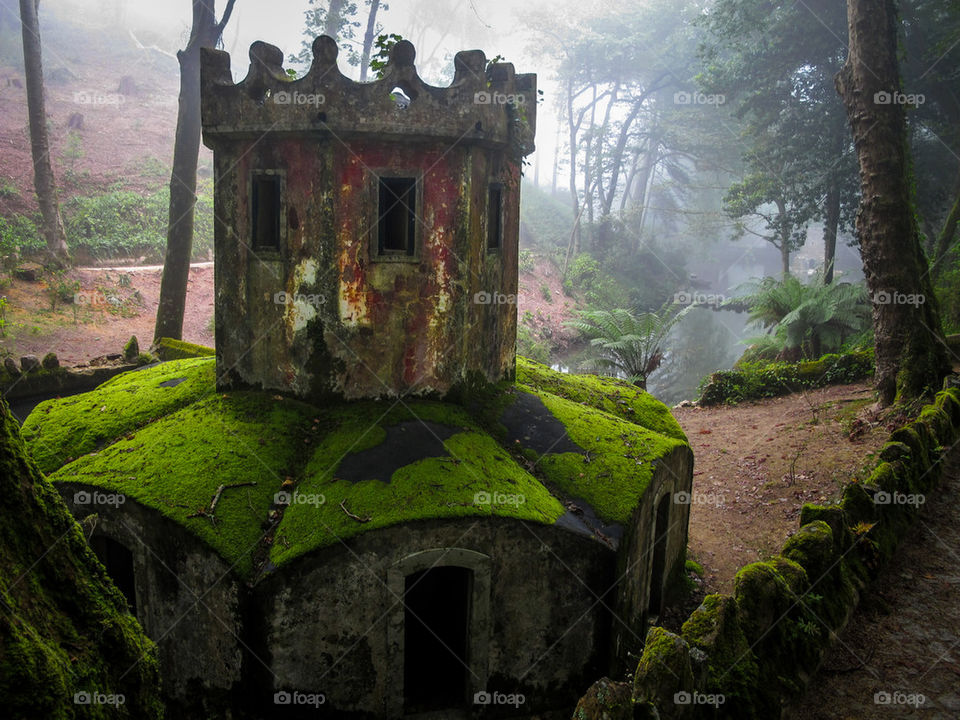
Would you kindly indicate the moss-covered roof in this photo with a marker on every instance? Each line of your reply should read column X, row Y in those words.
column 298, row 477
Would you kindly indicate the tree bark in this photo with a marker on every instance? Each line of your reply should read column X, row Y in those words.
column 43, row 180
column 784, row 245
column 910, row 355
column 948, row 233
column 331, row 26
column 205, row 32
column 368, row 39
column 831, row 224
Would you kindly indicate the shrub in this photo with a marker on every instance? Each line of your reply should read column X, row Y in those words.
column 751, row 381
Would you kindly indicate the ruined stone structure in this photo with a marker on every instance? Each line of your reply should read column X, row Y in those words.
column 481, row 558
column 348, row 213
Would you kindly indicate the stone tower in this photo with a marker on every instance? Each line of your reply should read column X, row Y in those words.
column 366, row 233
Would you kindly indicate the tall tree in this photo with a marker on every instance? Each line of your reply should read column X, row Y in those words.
column 43, row 180
column 910, row 354
column 368, row 37
column 775, row 63
column 205, row 32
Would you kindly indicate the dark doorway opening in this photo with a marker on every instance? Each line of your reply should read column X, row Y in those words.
column 436, row 638
column 118, row 561
column 659, row 556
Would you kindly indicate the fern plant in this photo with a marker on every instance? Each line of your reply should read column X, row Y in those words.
column 627, row 343
column 805, row 320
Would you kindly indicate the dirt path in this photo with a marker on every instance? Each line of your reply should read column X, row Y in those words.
column 108, row 306
column 903, row 644
column 756, row 464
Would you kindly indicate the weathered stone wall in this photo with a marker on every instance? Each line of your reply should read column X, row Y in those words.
column 188, row 601
column 324, row 315
column 672, row 479
column 338, row 619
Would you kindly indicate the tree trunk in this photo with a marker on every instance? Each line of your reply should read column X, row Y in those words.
column 331, row 26
column 368, row 39
column 183, row 180
column 831, row 224
column 784, row 245
column 911, row 359
column 948, row 233
column 43, row 180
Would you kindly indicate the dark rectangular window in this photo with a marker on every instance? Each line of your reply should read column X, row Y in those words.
column 397, row 220
column 265, row 213
column 495, row 217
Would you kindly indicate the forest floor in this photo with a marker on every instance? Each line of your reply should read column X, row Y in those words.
column 756, row 464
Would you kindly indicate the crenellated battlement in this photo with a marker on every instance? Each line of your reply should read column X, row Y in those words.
column 489, row 106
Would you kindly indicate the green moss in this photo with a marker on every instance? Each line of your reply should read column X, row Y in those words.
column 170, row 349
column 61, row 430
column 613, row 396
column 132, row 349
column 664, row 668
column 750, row 381
column 622, row 458
column 177, row 463
column 441, row 487
column 730, row 664
column 65, row 627
column 171, row 447
column 694, row 567
column 938, row 421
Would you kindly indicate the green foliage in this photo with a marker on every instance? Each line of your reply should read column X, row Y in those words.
column 19, row 234
column 948, row 293
column 60, row 289
column 380, row 55
column 545, row 292
column 529, row 345
column 122, row 223
column 752, row 381
column 525, row 262
column 8, row 189
column 72, row 153
column 3, row 316
column 626, row 342
column 806, row 320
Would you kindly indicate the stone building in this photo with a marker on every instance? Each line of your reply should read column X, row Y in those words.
column 487, row 541
column 351, row 212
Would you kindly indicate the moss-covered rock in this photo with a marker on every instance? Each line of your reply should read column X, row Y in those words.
column 170, row 349
column 663, row 671
column 723, row 662
column 605, row 700
column 65, row 629
column 131, row 351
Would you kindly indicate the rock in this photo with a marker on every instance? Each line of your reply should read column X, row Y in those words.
column 29, row 362
column 663, row 672
column 132, row 349
column 51, row 361
column 10, row 365
column 75, row 121
column 30, row 272
column 606, row 700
